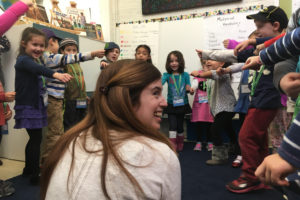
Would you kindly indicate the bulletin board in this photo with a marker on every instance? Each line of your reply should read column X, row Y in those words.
column 155, row 6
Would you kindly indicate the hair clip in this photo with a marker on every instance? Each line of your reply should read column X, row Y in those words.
column 104, row 90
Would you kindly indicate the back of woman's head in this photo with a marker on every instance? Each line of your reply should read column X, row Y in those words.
column 27, row 35
column 117, row 92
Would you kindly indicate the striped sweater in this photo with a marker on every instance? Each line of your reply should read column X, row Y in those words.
column 57, row 63
column 284, row 48
column 290, row 147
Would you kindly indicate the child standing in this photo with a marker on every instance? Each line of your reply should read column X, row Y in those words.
column 143, row 52
column 178, row 86
column 112, row 52
column 75, row 94
column 56, row 88
column 221, row 101
column 31, row 96
column 201, row 115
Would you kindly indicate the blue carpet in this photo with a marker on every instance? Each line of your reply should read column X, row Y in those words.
column 199, row 181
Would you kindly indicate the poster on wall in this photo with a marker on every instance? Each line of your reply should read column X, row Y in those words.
column 37, row 12
column 155, row 6
column 61, row 20
column 132, row 35
column 295, row 5
column 78, row 17
column 236, row 25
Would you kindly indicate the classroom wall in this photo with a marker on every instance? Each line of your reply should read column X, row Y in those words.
column 131, row 10
column 183, row 35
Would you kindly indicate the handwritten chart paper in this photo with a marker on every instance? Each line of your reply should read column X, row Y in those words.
column 132, row 35
column 232, row 26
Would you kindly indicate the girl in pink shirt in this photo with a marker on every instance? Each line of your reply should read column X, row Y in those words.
column 201, row 115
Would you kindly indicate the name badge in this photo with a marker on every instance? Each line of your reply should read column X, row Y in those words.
column 81, row 104
column 203, row 99
column 45, row 98
column 178, row 102
column 245, row 89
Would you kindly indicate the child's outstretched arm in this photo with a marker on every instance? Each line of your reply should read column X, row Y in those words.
column 54, row 60
column 243, row 45
column 10, row 16
column 218, row 55
column 207, row 74
column 27, row 63
column 284, row 48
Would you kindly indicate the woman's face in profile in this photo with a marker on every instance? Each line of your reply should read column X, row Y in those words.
column 150, row 109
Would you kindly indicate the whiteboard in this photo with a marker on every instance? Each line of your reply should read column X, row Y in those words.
column 132, row 35
column 234, row 26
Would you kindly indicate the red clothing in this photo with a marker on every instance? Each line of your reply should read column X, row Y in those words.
column 2, row 99
column 271, row 41
column 253, row 139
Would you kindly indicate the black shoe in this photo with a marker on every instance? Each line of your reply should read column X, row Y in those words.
column 1, row 163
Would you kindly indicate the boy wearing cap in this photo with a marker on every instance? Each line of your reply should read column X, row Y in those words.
column 112, row 52
column 253, row 136
column 75, row 93
column 56, row 88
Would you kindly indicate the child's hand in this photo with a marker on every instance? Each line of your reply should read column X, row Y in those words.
column 290, row 84
column 10, row 96
column 98, row 53
column 199, row 52
column 273, row 170
column 252, row 63
column 8, row 115
column 243, row 45
column 187, row 88
column 220, row 71
column 192, row 91
column 258, row 49
column 62, row 77
column 103, row 64
column 27, row 2
column 226, row 43
column 195, row 73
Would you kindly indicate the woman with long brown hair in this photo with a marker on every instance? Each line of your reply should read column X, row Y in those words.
column 117, row 151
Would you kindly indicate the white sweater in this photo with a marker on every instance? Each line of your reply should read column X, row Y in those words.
column 155, row 166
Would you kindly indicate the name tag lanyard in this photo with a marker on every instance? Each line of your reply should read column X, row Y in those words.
column 256, row 79
column 43, row 79
column 179, row 83
column 79, row 83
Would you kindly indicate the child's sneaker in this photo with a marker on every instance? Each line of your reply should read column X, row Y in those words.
column 198, row 147
column 237, row 162
column 243, row 185
column 210, row 146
